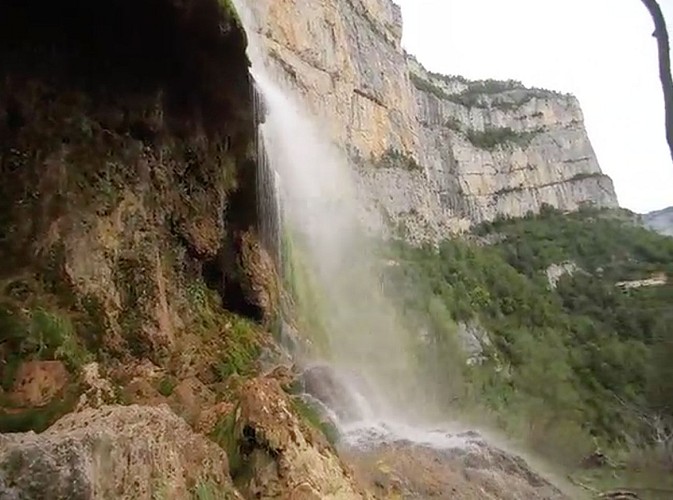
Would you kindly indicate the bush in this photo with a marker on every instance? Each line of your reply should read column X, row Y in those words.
column 392, row 158
column 492, row 137
column 427, row 86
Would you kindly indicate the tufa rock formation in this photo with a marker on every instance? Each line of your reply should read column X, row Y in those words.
column 435, row 154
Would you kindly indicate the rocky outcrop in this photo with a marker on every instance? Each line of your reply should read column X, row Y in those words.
column 113, row 452
column 660, row 221
column 434, row 154
column 128, row 174
column 555, row 272
column 470, row 471
column 283, row 456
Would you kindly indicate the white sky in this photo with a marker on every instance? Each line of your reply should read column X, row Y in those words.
column 600, row 50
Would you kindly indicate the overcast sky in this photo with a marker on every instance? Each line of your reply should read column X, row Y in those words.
column 600, row 50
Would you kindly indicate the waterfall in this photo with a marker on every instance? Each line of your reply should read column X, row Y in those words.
column 269, row 210
column 307, row 195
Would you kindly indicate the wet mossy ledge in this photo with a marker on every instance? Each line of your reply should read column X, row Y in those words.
column 127, row 202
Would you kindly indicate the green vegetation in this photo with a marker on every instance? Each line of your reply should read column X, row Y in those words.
column 392, row 158
column 207, row 490
column 429, row 87
column 571, row 367
column 492, row 137
column 586, row 175
column 225, row 436
column 472, row 97
column 312, row 416
column 454, row 124
column 230, row 10
column 235, row 339
column 308, row 303
column 36, row 334
column 167, row 386
column 482, row 93
column 37, row 419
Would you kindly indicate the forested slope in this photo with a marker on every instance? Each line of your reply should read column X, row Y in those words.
column 579, row 314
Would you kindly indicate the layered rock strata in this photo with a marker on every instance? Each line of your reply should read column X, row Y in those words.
column 435, row 154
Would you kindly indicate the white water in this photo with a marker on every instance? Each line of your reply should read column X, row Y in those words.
column 365, row 344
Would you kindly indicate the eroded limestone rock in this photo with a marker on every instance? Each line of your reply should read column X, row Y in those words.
column 129, row 452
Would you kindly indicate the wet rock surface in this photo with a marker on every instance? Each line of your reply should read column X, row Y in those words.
column 471, row 470
column 284, row 456
column 325, row 385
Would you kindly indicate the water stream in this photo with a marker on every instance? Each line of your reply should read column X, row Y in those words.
column 367, row 377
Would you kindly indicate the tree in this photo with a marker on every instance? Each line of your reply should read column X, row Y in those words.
column 661, row 34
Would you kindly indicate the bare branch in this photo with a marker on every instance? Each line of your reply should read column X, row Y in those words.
column 661, row 34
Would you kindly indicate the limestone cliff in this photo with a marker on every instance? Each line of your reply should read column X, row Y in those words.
column 434, row 153
column 660, row 221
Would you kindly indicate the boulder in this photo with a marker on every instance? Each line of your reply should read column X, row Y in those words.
column 112, row 452
column 471, row 471
column 325, row 384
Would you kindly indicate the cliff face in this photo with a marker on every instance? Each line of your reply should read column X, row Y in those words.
column 127, row 189
column 435, row 154
column 660, row 221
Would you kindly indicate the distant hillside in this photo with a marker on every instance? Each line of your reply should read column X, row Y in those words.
column 660, row 221
column 576, row 360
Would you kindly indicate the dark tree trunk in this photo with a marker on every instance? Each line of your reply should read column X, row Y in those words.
column 661, row 34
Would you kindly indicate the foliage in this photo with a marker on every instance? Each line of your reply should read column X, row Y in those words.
column 586, row 175
column 37, row 333
column 308, row 301
column 207, row 490
column 312, row 416
column 426, row 86
column 38, row 419
column 491, row 137
column 225, row 436
column 482, row 93
column 454, row 124
column 235, row 339
column 392, row 158
column 167, row 386
column 567, row 363
column 231, row 14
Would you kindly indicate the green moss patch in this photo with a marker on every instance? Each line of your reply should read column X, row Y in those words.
column 312, row 416
column 167, row 385
column 38, row 419
column 233, row 342
column 37, row 333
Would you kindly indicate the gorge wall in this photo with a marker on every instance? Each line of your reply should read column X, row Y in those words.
column 434, row 154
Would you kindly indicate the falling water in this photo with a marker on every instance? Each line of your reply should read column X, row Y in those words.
column 269, row 210
column 305, row 181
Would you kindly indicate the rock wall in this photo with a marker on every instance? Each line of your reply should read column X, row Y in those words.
column 434, row 154
column 127, row 202
column 660, row 221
